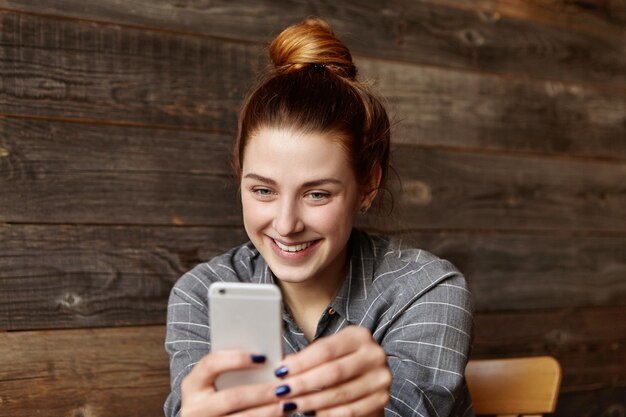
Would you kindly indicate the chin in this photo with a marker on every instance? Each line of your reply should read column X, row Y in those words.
column 292, row 277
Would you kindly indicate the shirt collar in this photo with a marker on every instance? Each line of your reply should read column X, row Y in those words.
column 261, row 273
column 359, row 278
column 356, row 284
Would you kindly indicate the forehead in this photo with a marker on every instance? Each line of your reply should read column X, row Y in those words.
column 286, row 153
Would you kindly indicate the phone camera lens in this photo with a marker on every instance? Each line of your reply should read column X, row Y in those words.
column 222, row 291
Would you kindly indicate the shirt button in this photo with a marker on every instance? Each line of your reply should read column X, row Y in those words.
column 331, row 311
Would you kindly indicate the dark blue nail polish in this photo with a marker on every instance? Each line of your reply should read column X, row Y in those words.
column 287, row 407
column 282, row 390
column 310, row 413
column 258, row 358
column 282, row 371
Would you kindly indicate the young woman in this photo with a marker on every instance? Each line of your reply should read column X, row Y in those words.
column 370, row 329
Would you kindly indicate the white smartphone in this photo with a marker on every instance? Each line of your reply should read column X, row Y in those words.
column 248, row 317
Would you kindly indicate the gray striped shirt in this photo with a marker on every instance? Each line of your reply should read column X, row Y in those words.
column 416, row 305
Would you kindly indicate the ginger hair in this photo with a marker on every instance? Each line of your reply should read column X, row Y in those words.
column 312, row 87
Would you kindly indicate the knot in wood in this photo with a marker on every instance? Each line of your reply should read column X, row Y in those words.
column 71, row 300
column 471, row 37
column 557, row 338
column 417, row 192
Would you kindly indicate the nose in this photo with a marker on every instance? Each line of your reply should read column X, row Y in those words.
column 287, row 220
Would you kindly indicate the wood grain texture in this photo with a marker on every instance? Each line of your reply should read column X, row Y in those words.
column 599, row 402
column 80, row 276
column 91, row 373
column 436, row 33
column 442, row 189
column 529, row 272
column 82, row 173
column 73, row 276
column 69, row 371
column 69, row 69
column 602, row 17
column 116, row 120
column 129, row 76
column 588, row 342
column 122, row 175
column 434, row 107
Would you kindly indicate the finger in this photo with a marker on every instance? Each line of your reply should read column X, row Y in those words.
column 256, row 399
column 362, row 407
column 272, row 410
column 205, row 372
column 366, row 360
column 325, row 350
column 369, row 385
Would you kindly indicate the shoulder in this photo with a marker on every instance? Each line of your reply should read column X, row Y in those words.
column 236, row 265
column 407, row 273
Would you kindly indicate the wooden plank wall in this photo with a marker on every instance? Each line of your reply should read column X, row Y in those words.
column 115, row 125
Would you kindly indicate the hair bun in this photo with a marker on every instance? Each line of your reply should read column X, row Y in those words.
column 311, row 42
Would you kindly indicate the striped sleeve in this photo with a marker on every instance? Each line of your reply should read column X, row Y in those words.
column 187, row 337
column 428, row 346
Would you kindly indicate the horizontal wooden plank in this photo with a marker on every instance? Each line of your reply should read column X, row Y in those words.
column 528, row 272
column 30, row 147
column 96, row 373
column 489, row 36
column 150, row 176
column 82, row 173
column 600, row 402
column 68, row 69
column 593, row 16
column 140, row 77
column 590, row 343
column 72, row 276
column 93, row 276
column 432, row 107
column 599, row 17
column 440, row 189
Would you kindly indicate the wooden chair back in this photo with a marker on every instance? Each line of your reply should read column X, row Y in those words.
column 515, row 386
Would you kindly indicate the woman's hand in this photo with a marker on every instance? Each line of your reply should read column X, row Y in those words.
column 201, row 399
column 341, row 375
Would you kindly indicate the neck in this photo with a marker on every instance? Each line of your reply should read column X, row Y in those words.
column 301, row 297
column 307, row 300
column 307, row 304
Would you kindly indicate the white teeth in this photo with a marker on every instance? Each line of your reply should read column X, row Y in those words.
column 294, row 248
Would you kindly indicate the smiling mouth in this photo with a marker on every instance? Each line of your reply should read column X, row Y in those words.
column 294, row 248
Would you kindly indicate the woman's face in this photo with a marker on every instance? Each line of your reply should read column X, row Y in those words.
column 299, row 197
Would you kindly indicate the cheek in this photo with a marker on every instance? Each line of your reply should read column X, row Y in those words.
column 332, row 218
column 253, row 211
column 258, row 215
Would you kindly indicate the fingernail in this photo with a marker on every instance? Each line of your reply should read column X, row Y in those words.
column 287, row 407
column 282, row 371
column 310, row 413
column 258, row 358
column 282, row 390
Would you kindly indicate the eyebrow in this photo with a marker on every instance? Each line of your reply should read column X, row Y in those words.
column 260, row 178
column 314, row 183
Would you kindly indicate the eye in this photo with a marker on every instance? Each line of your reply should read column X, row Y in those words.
column 262, row 192
column 318, row 196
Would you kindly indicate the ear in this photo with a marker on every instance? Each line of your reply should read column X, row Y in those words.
column 370, row 189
